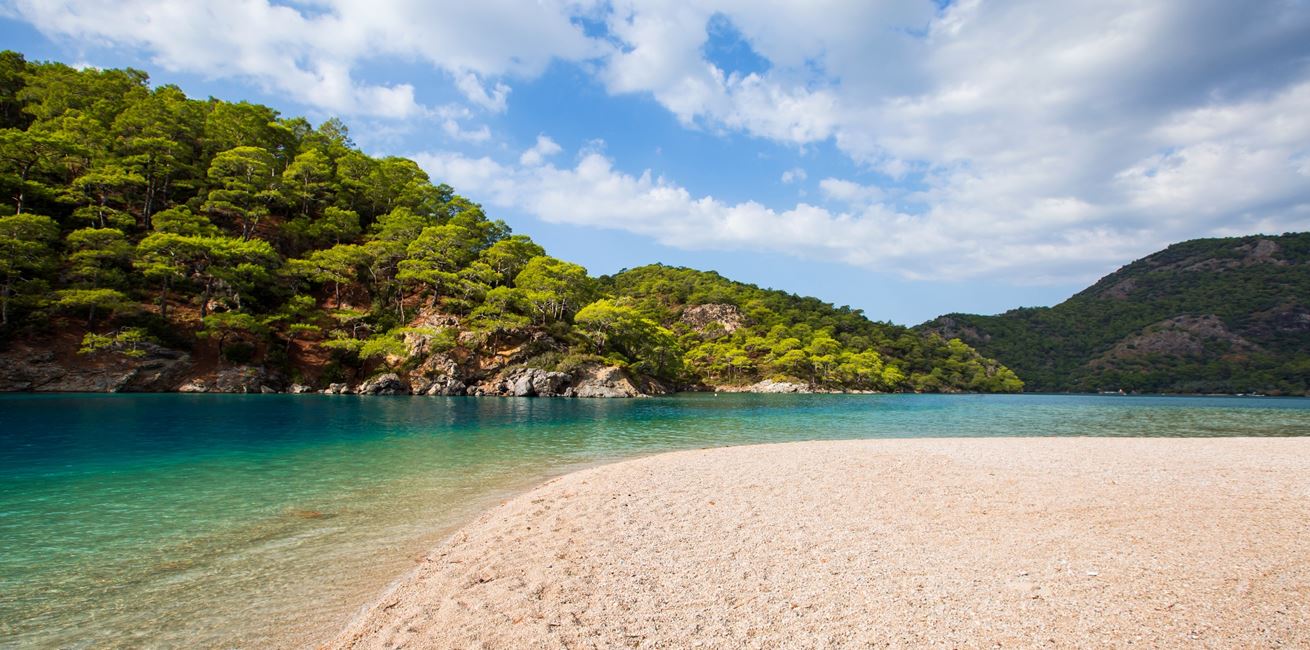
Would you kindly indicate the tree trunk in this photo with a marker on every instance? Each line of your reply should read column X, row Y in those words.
column 204, row 300
column 163, row 300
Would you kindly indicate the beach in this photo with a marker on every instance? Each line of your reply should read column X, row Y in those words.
column 1071, row 542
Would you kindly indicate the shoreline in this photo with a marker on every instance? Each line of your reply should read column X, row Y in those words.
column 607, row 568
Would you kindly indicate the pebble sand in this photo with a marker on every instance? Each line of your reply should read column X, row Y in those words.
column 1013, row 542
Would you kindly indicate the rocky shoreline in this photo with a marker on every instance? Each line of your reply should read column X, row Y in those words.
column 164, row 370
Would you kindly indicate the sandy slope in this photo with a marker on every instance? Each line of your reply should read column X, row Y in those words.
column 972, row 542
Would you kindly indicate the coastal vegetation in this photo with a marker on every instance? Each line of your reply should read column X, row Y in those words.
column 1227, row 315
column 139, row 222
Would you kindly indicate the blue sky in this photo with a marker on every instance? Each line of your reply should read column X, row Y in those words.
column 906, row 157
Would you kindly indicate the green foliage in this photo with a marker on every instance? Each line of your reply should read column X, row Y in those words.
column 228, row 326
column 776, row 335
column 125, row 341
column 647, row 347
column 91, row 301
column 554, row 289
column 227, row 226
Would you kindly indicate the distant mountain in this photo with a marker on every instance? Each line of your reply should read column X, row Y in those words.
column 1209, row 315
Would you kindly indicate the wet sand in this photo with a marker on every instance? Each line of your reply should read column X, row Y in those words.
column 1013, row 542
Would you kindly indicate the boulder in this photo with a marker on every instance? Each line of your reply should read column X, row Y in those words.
column 385, row 384
column 194, row 386
column 299, row 389
column 603, row 381
column 446, row 386
column 532, row 382
column 267, row 391
column 337, row 389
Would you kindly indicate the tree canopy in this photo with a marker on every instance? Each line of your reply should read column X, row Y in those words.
column 132, row 214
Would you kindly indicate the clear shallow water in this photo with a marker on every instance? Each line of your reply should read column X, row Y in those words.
column 267, row 520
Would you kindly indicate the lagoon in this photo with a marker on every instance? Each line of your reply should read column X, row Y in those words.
column 267, row 520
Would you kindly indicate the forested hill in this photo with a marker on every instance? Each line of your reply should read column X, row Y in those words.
column 149, row 241
column 1209, row 315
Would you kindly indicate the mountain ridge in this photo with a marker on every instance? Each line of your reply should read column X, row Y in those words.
column 1215, row 315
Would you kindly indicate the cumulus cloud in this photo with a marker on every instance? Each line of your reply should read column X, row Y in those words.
column 543, row 149
column 794, row 175
column 1041, row 141
column 310, row 51
column 1028, row 140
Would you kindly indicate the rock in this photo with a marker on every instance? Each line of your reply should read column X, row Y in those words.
column 193, row 386
column 530, row 382
column 267, row 391
column 239, row 379
column 384, row 384
column 713, row 320
column 36, row 369
column 771, row 386
column 603, row 381
column 336, row 389
column 767, row 386
column 299, row 389
column 446, row 386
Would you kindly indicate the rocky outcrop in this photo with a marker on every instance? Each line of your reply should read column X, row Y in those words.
column 603, row 381
column 238, row 379
column 33, row 369
column 949, row 327
column 767, row 386
column 441, row 386
column 713, row 320
column 337, row 389
column 1181, row 336
column 299, row 389
column 385, row 384
column 526, row 382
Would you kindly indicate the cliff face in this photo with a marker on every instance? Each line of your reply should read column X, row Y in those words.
column 1210, row 315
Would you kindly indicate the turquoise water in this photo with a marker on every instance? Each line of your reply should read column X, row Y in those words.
column 267, row 520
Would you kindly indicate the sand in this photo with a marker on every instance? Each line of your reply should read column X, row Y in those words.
column 1017, row 542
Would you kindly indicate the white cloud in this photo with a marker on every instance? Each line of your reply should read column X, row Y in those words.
column 594, row 193
column 1030, row 140
column 310, row 51
column 794, row 175
column 543, row 149
column 849, row 192
column 1034, row 140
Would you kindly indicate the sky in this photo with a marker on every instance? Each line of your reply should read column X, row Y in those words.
column 907, row 158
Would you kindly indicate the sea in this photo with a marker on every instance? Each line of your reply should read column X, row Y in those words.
column 265, row 521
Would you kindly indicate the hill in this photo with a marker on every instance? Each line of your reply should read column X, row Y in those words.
column 1225, row 315
column 151, row 241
